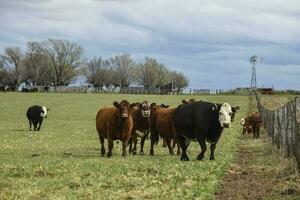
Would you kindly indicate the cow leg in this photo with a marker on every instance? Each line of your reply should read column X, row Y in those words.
column 164, row 142
column 34, row 125
column 142, row 144
column 39, row 125
column 110, row 146
column 135, row 140
column 30, row 123
column 212, row 151
column 258, row 130
column 168, row 142
column 130, row 145
column 183, row 145
column 154, row 139
column 178, row 148
column 202, row 143
column 102, row 145
column 151, row 148
column 124, row 145
column 174, row 143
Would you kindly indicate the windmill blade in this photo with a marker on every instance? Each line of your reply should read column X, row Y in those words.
column 255, row 59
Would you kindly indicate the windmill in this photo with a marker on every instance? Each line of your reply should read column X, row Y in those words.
column 253, row 61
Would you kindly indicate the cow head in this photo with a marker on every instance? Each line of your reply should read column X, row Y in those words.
column 44, row 112
column 189, row 101
column 246, row 124
column 163, row 106
column 234, row 110
column 145, row 108
column 243, row 121
column 134, row 105
column 154, row 107
column 123, row 107
column 225, row 115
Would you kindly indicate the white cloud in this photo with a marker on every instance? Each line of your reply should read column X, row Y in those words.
column 211, row 41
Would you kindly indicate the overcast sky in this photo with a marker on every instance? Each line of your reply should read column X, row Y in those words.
column 211, row 41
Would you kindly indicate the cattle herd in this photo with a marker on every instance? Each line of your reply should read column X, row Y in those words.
column 191, row 121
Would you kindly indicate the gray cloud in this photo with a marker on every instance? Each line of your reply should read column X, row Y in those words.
column 210, row 41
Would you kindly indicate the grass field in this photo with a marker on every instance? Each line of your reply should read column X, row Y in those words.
column 273, row 102
column 62, row 160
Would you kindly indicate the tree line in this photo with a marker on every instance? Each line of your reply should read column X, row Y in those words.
column 57, row 62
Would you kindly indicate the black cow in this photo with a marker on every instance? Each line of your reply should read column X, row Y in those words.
column 234, row 110
column 201, row 121
column 35, row 115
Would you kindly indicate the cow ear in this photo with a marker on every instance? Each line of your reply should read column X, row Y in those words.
column 165, row 106
column 153, row 105
column 116, row 104
column 237, row 107
column 184, row 101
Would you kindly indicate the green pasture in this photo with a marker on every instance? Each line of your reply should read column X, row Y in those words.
column 62, row 161
column 273, row 102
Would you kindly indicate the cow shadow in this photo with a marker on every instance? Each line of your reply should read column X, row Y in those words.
column 76, row 153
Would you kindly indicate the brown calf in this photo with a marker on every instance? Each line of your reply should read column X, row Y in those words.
column 174, row 141
column 141, row 125
column 162, row 125
column 114, row 123
column 252, row 123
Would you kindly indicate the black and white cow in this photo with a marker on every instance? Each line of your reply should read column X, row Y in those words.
column 234, row 110
column 35, row 115
column 201, row 121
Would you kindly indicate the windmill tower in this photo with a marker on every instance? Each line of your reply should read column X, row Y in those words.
column 254, row 60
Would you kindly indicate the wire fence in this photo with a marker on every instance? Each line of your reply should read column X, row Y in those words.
column 283, row 126
column 133, row 90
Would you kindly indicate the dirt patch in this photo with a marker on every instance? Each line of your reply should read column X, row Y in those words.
column 260, row 173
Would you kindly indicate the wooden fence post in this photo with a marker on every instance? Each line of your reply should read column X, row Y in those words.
column 296, row 151
column 283, row 126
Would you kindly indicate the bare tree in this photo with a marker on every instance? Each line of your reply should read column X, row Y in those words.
column 178, row 80
column 162, row 76
column 3, row 74
column 151, row 74
column 11, row 61
column 123, row 66
column 35, row 65
column 64, row 59
column 99, row 74
column 147, row 73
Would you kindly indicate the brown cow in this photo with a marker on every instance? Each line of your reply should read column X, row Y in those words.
column 174, row 142
column 252, row 123
column 141, row 125
column 162, row 125
column 114, row 123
